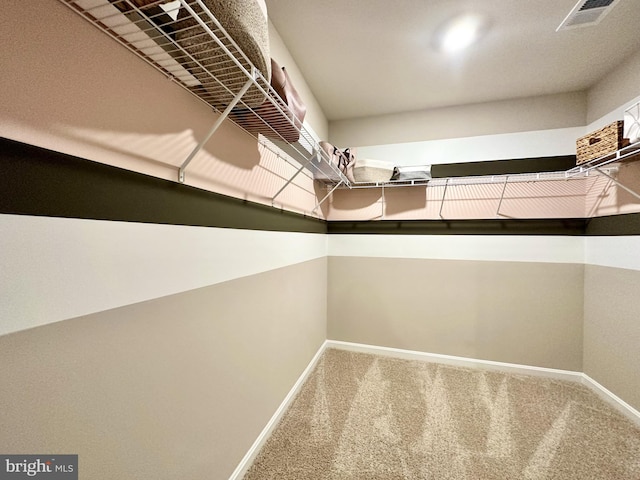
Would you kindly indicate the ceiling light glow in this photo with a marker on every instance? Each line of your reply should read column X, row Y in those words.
column 460, row 33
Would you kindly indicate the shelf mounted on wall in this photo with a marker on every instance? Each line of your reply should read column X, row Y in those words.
column 215, row 70
column 219, row 73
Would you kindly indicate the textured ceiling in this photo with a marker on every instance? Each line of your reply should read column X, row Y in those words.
column 372, row 57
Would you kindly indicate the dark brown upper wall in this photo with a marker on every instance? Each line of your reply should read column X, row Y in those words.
column 37, row 181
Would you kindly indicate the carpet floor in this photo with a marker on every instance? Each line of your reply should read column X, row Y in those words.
column 361, row 416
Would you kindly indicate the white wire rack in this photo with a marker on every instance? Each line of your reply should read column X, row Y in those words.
column 597, row 166
column 630, row 152
column 186, row 43
column 468, row 180
column 606, row 166
column 212, row 67
column 473, row 180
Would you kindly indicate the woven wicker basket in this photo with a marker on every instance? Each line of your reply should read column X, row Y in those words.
column 600, row 143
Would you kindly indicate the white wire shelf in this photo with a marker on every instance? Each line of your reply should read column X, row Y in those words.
column 213, row 68
column 626, row 153
column 477, row 180
column 605, row 166
column 592, row 167
column 187, row 44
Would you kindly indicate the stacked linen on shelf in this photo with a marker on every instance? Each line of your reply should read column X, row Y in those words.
column 331, row 162
column 372, row 171
column 381, row 171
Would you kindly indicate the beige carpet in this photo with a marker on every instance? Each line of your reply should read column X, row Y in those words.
column 368, row 417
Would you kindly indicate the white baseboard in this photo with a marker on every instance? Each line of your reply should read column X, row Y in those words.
column 457, row 361
column 250, row 456
column 612, row 399
column 609, row 397
column 616, row 402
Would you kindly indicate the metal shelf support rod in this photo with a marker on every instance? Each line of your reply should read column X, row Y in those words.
column 325, row 197
column 622, row 154
column 302, row 167
column 504, row 188
column 215, row 127
column 446, row 184
column 627, row 189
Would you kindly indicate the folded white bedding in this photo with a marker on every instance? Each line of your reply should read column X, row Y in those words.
column 372, row 171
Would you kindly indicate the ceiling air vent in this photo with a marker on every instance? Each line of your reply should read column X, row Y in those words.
column 587, row 13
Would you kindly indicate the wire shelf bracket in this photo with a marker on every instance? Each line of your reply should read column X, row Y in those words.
column 504, row 188
column 223, row 116
column 326, row 197
column 616, row 182
column 625, row 153
column 444, row 194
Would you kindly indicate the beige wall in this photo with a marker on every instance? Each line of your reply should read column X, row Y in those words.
column 165, row 348
column 88, row 266
column 519, row 312
column 508, row 116
column 615, row 89
column 500, row 146
column 612, row 329
column 164, row 384
column 177, row 387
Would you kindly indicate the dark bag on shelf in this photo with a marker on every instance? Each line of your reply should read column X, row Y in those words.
column 342, row 160
column 421, row 172
column 281, row 123
column 345, row 157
